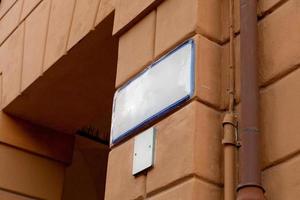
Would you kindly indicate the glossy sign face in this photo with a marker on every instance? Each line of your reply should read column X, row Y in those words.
column 163, row 86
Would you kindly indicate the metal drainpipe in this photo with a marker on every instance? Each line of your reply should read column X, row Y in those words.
column 250, row 187
column 229, row 122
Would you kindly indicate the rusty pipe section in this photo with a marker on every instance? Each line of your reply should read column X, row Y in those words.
column 229, row 122
column 231, row 58
column 229, row 142
column 250, row 187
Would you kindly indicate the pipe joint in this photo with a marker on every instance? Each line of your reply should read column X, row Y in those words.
column 230, row 126
column 244, row 185
column 230, row 118
column 251, row 191
column 229, row 142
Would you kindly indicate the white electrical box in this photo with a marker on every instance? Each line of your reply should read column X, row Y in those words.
column 160, row 88
column 143, row 153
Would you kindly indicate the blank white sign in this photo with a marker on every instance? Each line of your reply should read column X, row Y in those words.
column 143, row 152
column 163, row 86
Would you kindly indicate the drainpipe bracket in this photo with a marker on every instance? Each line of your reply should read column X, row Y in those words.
column 238, row 144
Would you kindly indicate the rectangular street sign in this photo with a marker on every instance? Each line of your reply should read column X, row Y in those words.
column 163, row 86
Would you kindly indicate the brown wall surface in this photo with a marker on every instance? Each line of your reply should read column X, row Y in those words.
column 278, row 72
column 85, row 177
column 30, row 175
column 188, row 147
column 36, row 34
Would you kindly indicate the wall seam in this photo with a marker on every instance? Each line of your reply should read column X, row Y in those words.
column 279, row 76
column 23, row 45
column 46, row 39
column 70, row 27
column 19, row 23
column 282, row 160
column 5, row 13
column 276, row 7
column 1, row 90
column 211, row 106
column 30, row 12
column 157, row 57
column 20, row 194
column 22, row 59
column 155, row 30
column 170, row 185
column 272, row 9
column 261, row 17
column 181, row 181
column 63, row 183
column 145, row 185
column 96, row 14
column 30, row 151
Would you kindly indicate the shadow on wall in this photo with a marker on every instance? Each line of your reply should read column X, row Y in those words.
column 97, row 56
column 85, row 178
column 77, row 91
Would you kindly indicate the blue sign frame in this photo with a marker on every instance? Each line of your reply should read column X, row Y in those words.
column 168, row 108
